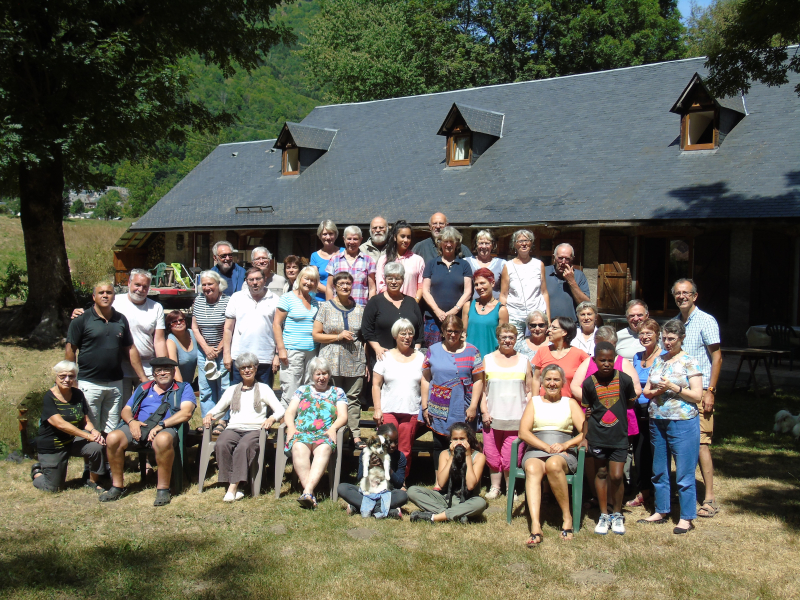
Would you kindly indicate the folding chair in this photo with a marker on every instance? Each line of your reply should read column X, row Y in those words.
column 256, row 469
column 334, row 464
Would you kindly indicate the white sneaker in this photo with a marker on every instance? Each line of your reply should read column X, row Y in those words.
column 228, row 497
column 618, row 524
column 493, row 494
column 602, row 525
column 239, row 495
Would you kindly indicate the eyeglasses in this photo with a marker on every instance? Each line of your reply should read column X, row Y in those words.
column 453, row 331
column 394, row 279
column 247, row 368
column 683, row 294
column 537, row 326
column 345, row 284
column 230, row 255
column 162, row 370
column 564, row 259
column 175, row 321
column 259, row 280
column 672, row 340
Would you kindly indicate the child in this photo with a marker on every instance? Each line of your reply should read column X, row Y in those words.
column 607, row 395
column 434, row 502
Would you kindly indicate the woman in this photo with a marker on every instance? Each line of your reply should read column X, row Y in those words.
column 316, row 412
column 485, row 245
column 237, row 446
column 508, row 386
column 337, row 328
column 537, row 325
column 452, row 384
column 587, row 320
column 291, row 267
column 181, row 346
column 641, row 478
column 327, row 232
column 482, row 316
column 383, row 311
column 559, row 352
column 208, row 327
column 432, row 502
column 293, row 326
column 446, row 286
column 66, row 430
column 547, row 428
column 675, row 387
column 522, row 287
column 359, row 264
column 398, row 248
column 396, row 387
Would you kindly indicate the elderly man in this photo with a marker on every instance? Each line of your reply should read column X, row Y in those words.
column 262, row 258
column 152, row 415
column 376, row 244
column 225, row 264
column 566, row 286
column 628, row 339
column 354, row 261
column 702, row 343
column 427, row 248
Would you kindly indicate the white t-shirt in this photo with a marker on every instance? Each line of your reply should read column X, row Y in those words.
column 628, row 343
column 401, row 384
column 144, row 320
column 253, row 329
column 247, row 419
column 277, row 285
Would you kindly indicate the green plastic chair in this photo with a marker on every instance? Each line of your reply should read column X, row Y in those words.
column 159, row 273
column 576, row 481
column 185, row 281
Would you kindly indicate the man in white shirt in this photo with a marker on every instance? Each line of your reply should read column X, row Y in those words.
column 262, row 258
column 628, row 339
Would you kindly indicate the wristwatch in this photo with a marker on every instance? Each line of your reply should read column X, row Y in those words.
column 712, row 389
column 162, row 425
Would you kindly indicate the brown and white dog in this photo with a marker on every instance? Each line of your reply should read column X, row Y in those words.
column 375, row 479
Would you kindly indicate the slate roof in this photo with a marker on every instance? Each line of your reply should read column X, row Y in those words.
column 477, row 119
column 598, row 147
column 318, row 138
column 735, row 103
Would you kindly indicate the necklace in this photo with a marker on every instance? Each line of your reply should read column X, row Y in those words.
column 651, row 356
column 482, row 309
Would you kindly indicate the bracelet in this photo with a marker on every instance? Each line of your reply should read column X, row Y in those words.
column 425, row 408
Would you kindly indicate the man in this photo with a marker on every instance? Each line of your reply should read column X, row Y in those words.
column 376, row 243
column 427, row 248
column 225, row 264
column 628, row 339
column 702, row 343
column 262, row 258
column 248, row 328
column 101, row 337
column 152, row 415
column 566, row 286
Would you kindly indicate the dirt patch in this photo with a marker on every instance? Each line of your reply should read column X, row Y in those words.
column 592, row 577
column 361, row 533
column 517, row 568
column 278, row 529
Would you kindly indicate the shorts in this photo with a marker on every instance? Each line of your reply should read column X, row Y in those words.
column 143, row 444
column 610, row 454
column 706, row 428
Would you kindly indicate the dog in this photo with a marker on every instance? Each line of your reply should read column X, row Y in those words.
column 375, row 479
column 458, row 468
column 786, row 422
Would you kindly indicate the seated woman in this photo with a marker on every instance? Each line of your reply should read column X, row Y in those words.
column 316, row 413
column 397, row 477
column 547, row 428
column 66, row 431
column 434, row 502
column 237, row 446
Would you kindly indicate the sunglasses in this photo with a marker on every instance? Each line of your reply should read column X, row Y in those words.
column 224, row 255
column 537, row 326
column 174, row 321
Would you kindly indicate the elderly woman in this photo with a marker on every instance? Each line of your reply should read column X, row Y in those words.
column 485, row 245
column 482, row 315
column 537, row 326
column 66, row 431
column 508, row 387
column 293, row 327
column 208, row 327
column 447, row 285
column 237, row 446
column 359, row 264
column 337, row 329
column 587, row 321
column 327, row 232
column 315, row 414
column 291, row 267
column 398, row 249
column 181, row 345
column 547, row 427
column 522, row 288
column 674, row 388
column 396, row 387
column 560, row 335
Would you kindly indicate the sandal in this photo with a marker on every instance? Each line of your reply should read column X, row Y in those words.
column 534, row 540
column 307, row 501
column 637, row 501
column 163, row 498
column 95, row 487
column 708, row 513
column 360, row 444
column 565, row 533
column 112, row 493
column 220, row 427
column 36, row 469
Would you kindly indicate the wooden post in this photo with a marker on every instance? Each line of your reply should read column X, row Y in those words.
column 22, row 418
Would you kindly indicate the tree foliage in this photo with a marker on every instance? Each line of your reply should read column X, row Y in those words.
column 108, row 206
column 77, row 207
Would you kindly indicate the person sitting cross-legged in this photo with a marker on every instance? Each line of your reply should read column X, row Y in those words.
column 151, row 418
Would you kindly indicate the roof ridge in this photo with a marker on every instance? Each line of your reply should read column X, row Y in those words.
column 250, row 142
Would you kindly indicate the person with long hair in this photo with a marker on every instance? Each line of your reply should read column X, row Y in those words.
column 398, row 249
column 181, row 345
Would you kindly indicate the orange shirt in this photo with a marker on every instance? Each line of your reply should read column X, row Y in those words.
column 569, row 362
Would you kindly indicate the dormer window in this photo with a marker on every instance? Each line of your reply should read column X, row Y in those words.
column 291, row 161
column 700, row 128
column 459, row 147
column 470, row 132
column 302, row 145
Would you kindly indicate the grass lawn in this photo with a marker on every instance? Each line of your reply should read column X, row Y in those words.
column 70, row 546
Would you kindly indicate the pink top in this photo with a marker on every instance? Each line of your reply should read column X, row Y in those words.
column 633, row 424
column 414, row 266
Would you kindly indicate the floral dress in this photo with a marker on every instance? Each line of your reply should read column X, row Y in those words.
column 315, row 415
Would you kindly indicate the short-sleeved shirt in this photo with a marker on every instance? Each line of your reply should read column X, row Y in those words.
column 447, row 283
column 569, row 362
column 361, row 269
column 608, row 415
column 101, row 345
column 428, row 251
column 276, row 284
column 401, row 391
column 154, row 399
column 412, row 280
column 628, row 343
column 562, row 304
column 51, row 439
column 299, row 323
column 253, row 329
column 702, row 330
column 210, row 318
column 644, row 374
column 322, row 266
column 668, row 405
column 234, row 279
column 347, row 359
column 143, row 319
column 495, row 266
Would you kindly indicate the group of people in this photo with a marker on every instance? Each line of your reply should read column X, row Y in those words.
column 438, row 339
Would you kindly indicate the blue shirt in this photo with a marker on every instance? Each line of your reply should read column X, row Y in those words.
column 447, row 283
column 236, row 279
column 702, row 330
column 562, row 304
column 322, row 266
column 644, row 374
column 153, row 400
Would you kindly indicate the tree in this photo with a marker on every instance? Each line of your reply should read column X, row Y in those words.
column 77, row 207
column 752, row 46
column 87, row 83
column 108, row 206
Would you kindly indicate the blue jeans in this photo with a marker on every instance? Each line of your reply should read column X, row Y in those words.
column 680, row 439
column 210, row 391
column 264, row 374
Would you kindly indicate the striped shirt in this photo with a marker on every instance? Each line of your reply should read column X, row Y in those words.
column 299, row 322
column 210, row 318
column 702, row 330
column 361, row 269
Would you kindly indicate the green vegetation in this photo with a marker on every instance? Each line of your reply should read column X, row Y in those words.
column 77, row 207
column 14, row 284
column 108, row 206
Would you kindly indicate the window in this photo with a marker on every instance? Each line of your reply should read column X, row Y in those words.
column 459, row 148
column 699, row 129
column 291, row 161
column 667, row 259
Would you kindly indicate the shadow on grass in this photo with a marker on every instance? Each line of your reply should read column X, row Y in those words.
column 771, row 501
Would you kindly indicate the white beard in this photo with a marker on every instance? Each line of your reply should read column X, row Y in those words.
column 379, row 240
column 137, row 297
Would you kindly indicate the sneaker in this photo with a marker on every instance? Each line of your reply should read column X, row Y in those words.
column 602, row 525
column 395, row 513
column 228, row 497
column 421, row 515
column 618, row 524
column 493, row 494
column 352, row 510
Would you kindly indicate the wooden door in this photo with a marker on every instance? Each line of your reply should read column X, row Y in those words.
column 613, row 274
